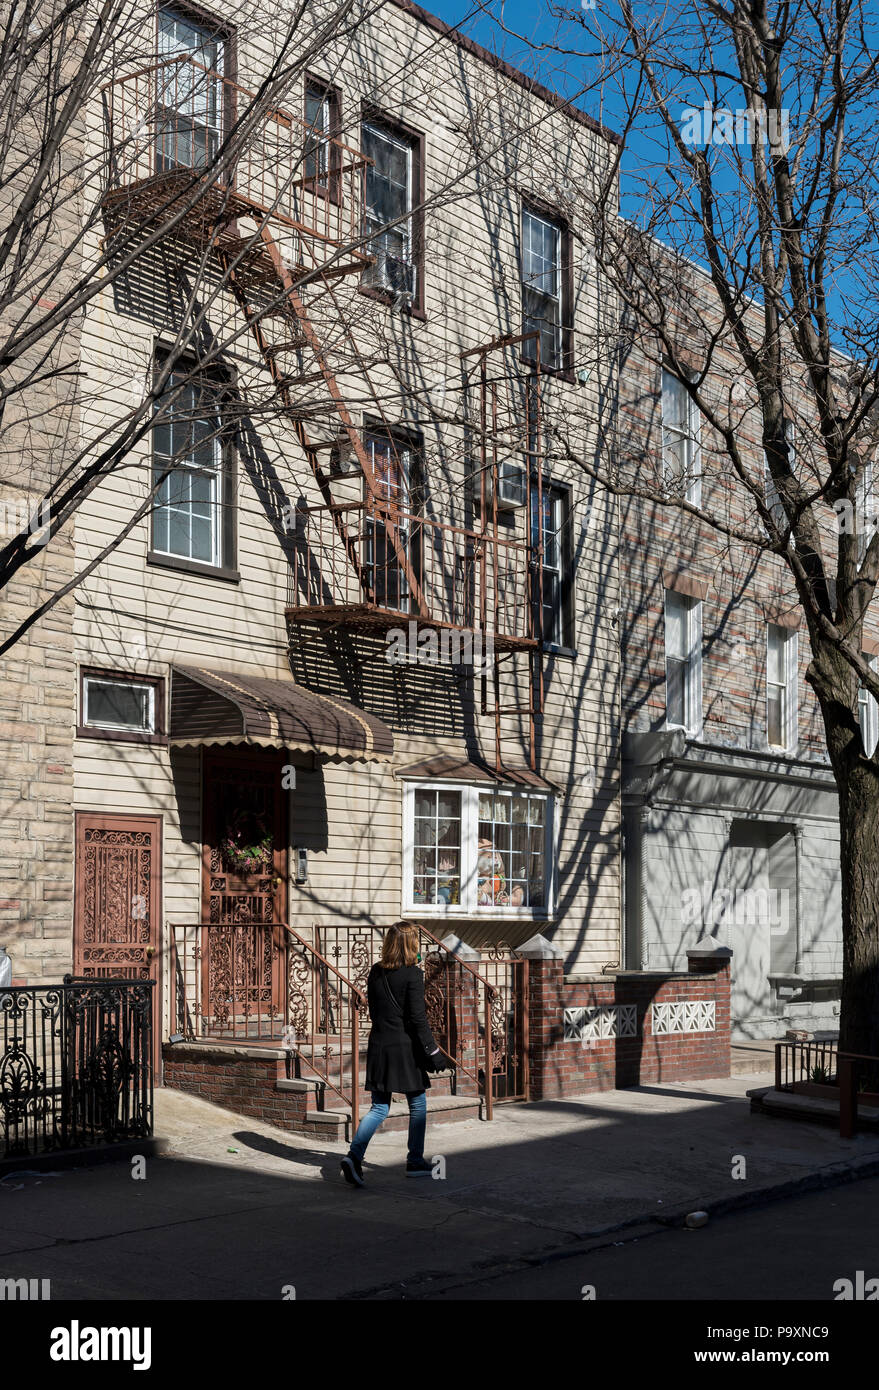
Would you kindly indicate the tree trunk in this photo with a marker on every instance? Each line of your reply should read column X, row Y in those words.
column 859, row 860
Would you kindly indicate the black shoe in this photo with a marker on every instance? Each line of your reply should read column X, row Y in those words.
column 418, row 1168
column 352, row 1170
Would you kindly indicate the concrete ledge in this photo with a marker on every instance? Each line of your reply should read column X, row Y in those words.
column 210, row 1047
column 83, row 1158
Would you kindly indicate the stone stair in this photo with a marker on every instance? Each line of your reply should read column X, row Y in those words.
column 260, row 1079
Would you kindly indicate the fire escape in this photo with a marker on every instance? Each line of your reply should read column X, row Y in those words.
column 280, row 213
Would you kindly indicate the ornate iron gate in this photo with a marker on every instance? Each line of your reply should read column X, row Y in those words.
column 75, row 1064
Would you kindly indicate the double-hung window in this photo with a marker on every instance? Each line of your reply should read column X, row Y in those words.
column 771, row 495
column 683, row 662
column 681, row 463
column 782, row 715
column 556, row 568
column 389, row 202
column 321, row 120
column 868, row 713
column 190, row 92
column 543, row 309
column 192, row 512
column 476, row 851
column 865, row 510
column 391, row 559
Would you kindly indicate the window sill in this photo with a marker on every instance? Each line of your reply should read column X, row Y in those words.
column 412, row 311
column 120, row 735
column 195, row 567
column 460, row 912
column 562, row 373
column 553, row 649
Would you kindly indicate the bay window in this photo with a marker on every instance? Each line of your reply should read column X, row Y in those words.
column 470, row 850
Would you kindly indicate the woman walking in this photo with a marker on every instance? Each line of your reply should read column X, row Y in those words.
column 401, row 1050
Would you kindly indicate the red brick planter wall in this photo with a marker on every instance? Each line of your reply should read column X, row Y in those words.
column 560, row 1068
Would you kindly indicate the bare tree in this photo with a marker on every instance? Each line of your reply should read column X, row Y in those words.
column 747, row 264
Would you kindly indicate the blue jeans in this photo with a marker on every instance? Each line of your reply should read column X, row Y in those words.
column 381, row 1104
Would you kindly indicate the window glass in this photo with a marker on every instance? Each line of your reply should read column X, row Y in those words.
column 436, row 865
column 187, row 516
column 318, row 118
column 189, row 94
column 389, row 198
column 510, row 867
column 118, row 704
column 541, row 287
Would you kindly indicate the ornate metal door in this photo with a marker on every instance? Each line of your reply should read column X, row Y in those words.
column 244, row 884
column 116, row 929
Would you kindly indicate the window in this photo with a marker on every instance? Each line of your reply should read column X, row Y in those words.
column 683, row 662
column 781, row 687
column 114, row 703
column 392, row 467
column 190, row 94
column 544, row 310
column 865, row 510
column 192, row 514
column 771, row 494
column 391, row 184
column 680, row 439
column 556, row 595
column 477, row 851
column 322, row 120
column 868, row 713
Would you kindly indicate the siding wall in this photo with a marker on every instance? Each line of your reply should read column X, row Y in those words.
column 139, row 617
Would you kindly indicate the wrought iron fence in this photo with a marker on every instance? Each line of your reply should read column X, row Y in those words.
column 75, row 1065
column 479, row 1017
column 820, row 1068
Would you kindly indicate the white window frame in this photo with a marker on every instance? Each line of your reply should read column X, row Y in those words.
column 865, row 510
column 468, row 906
column 89, row 680
column 771, row 495
column 320, row 149
column 690, row 435
column 403, row 227
column 868, row 713
column 216, row 476
column 556, row 297
column 788, row 685
column 692, row 724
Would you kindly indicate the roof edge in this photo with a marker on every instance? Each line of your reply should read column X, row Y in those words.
column 516, row 75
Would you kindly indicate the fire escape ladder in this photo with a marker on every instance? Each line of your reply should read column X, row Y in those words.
column 296, row 318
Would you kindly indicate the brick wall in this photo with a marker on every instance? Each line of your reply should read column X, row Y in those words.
column 568, row 1068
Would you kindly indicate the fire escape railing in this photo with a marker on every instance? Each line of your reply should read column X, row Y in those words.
column 469, row 580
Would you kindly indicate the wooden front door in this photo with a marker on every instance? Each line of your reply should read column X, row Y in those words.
column 116, row 924
column 244, row 890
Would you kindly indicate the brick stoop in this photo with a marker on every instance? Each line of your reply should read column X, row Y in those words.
column 255, row 1081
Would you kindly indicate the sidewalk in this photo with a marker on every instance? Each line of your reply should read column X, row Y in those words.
column 551, row 1177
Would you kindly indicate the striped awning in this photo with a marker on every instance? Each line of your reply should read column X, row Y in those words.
column 222, row 707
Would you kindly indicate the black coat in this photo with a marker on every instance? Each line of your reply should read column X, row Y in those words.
column 391, row 1063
